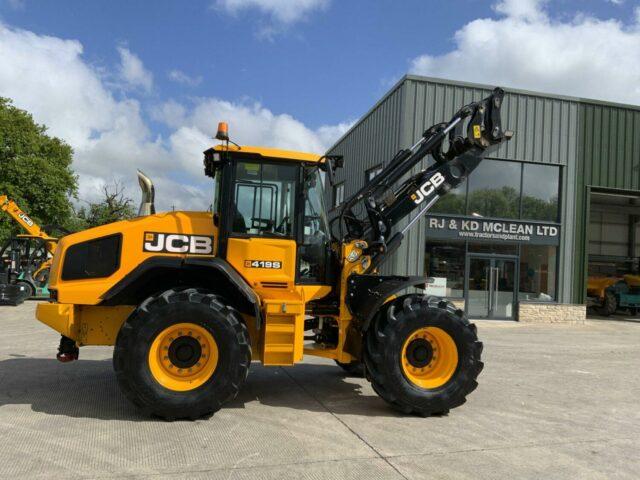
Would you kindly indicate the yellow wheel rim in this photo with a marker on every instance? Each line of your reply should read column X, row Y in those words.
column 429, row 357
column 183, row 357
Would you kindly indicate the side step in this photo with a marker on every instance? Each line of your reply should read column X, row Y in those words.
column 283, row 333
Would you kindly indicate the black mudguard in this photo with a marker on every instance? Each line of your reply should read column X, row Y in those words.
column 214, row 274
column 367, row 293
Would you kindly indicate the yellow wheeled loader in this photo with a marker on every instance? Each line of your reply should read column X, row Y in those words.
column 189, row 299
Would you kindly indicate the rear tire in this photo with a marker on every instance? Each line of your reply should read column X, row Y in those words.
column 355, row 368
column 422, row 355
column 30, row 292
column 609, row 304
column 182, row 354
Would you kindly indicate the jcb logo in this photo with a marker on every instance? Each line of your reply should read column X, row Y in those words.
column 25, row 219
column 178, row 243
column 427, row 188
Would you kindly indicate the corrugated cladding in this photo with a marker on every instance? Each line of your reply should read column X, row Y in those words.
column 545, row 127
column 596, row 144
column 545, row 132
column 373, row 140
column 609, row 154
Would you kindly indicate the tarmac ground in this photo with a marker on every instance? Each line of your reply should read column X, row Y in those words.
column 554, row 402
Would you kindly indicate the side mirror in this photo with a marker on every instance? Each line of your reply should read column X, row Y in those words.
column 330, row 164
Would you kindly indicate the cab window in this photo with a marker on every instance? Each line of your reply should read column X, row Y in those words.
column 264, row 199
column 313, row 252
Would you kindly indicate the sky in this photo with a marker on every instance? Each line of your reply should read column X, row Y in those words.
column 143, row 84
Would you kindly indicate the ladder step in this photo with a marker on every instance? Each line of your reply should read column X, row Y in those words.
column 280, row 348
column 280, row 327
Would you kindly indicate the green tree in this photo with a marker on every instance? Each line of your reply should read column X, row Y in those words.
column 539, row 209
column 501, row 202
column 113, row 207
column 35, row 170
column 451, row 203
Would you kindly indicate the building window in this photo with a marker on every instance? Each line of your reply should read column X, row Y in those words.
column 537, row 273
column 453, row 203
column 494, row 189
column 372, row 173
column 540, row 188
column 506, row 189
column 445, row 260
column 338, row 194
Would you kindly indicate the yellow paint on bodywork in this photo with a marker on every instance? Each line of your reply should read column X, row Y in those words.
column 283, row 302
column 353, row 262
column 58, row 316
column 267, row 282
column 275, row 153
column 89, row 292
column 596, row 286
column 27, row 223
column 87, row 325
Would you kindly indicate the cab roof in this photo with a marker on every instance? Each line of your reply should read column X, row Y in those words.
column 271, row 153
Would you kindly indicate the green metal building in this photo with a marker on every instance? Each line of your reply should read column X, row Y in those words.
column 557, row 203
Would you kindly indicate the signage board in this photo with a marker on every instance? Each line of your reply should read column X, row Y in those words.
column 491, row 230
column 436, row 286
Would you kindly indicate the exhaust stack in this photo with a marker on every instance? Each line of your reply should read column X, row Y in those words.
column 147, row 206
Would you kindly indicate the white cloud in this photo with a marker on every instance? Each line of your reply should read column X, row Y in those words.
column 179, row 76
column 521, row 9
column 249, row 124
column 49, row 77
column 616, row 2
column 281, row 11
column 170, row 113
column 132, row 70
column 526, row 48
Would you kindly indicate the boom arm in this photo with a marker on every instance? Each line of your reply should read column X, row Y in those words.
column 29, row 226
column 472, row 133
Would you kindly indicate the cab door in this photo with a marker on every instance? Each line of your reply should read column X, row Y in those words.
column 261, row 243
column 314, row 254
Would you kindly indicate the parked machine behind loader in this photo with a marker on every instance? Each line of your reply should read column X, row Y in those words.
column 610, row 294
column 190, row 298
column 25, row 259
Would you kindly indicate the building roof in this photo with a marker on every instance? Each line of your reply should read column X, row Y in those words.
column 444, row 81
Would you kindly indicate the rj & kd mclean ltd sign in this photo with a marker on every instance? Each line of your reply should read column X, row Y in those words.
column 487, row 230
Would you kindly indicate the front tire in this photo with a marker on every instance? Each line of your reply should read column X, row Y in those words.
column 422, row 355
column 182, row 354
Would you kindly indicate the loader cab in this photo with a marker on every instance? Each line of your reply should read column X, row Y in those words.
column 269, row 208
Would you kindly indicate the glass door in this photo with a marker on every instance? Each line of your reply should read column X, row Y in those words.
column 491, row 287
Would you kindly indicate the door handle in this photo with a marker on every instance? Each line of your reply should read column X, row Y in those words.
column 496, row 290
column 489, row 290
